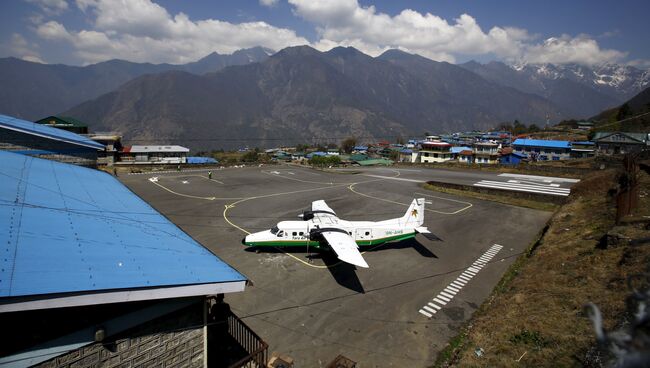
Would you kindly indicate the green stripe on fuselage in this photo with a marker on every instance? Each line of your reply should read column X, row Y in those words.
column 315, row 244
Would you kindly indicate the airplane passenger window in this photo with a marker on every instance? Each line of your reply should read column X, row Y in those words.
column 301, row 233
column 367, row 233
column 294, row 233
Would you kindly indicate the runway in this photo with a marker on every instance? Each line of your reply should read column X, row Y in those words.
column 312, row 306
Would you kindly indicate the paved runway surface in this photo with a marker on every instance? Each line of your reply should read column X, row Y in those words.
column 503, row 181
column 399, row 312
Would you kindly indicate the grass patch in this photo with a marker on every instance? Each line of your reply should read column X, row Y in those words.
column 534, row 317
column 521, row 202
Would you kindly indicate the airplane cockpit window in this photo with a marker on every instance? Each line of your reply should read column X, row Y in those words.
column 274, row 230
column 280, row 234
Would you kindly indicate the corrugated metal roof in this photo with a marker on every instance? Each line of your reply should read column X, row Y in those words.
column 641, row 137
column 201, row 160
column 41, row 130
column 541, row 143
column 69, row 229
column 64, row 120
column 146, row 149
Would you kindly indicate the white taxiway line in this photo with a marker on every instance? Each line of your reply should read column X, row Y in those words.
column 394, row 178
column 449, row 292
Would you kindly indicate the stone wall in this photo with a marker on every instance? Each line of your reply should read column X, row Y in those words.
column 174, row 340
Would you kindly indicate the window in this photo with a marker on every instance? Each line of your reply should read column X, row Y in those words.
column 301, row 233
column 294, row 233
column 367, row 233
column 280, row 234
column 274, row 230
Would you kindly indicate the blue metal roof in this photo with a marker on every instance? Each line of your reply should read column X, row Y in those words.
column 201, row 160
column 65, row 228
column 41, row 130
column 541, row 143
column 584, row 143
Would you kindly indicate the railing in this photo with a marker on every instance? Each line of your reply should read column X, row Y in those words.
column 256, row 347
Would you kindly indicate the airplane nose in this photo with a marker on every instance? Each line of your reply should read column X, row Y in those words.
column 243, row 240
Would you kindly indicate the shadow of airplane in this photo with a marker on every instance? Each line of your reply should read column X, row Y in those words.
column 344, row 273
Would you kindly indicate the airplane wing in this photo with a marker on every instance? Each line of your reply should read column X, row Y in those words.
column 321, row 208
column 344, row 246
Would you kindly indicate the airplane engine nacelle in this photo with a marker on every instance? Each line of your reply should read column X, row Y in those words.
column 307, row 215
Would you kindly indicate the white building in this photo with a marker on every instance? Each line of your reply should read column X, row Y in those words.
column 435, row 151
column 154, row 155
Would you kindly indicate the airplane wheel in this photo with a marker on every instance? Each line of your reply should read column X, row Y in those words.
column 257, row 251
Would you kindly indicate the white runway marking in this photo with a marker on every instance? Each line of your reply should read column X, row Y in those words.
column 542, row 178
column 174, row 171
column 448, row 293
column 541, row 189
column 394, row 178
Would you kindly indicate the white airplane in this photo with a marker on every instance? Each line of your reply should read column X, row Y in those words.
column 322, row 229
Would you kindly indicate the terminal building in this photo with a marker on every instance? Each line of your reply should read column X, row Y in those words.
column 39, row 140
column 154, row 155
column 93, row 276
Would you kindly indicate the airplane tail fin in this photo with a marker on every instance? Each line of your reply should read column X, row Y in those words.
column 414, row 216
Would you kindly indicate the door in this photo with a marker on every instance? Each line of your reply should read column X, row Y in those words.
column 363, row 234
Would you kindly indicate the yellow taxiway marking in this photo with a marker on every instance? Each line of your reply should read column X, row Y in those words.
column 229, row 206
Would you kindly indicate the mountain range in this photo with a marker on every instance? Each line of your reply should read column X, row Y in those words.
column 39, row 90
column 301, row 95
column 580, row 90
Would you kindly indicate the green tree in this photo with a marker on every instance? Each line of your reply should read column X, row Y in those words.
column 251, row 156
column 348, row 144
column 302, row 147
column 324, row 161
column 533, row 128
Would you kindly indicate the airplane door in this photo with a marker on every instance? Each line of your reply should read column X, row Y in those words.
column 363, row 234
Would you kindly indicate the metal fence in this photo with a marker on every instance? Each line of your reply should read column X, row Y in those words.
column 256, row 347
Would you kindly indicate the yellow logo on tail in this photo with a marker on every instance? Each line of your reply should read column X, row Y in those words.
column 414, row 213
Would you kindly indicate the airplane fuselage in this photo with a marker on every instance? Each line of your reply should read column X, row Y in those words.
column 297, row 233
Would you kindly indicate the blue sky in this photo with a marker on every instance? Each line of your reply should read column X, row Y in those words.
column 81, row 32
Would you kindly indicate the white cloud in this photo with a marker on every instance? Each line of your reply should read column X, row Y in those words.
column 142, row 31
column 269, row 3
column 23, row 49
column 50, row 7
column 566, row 49
column 640, row 63
column 346, row 23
